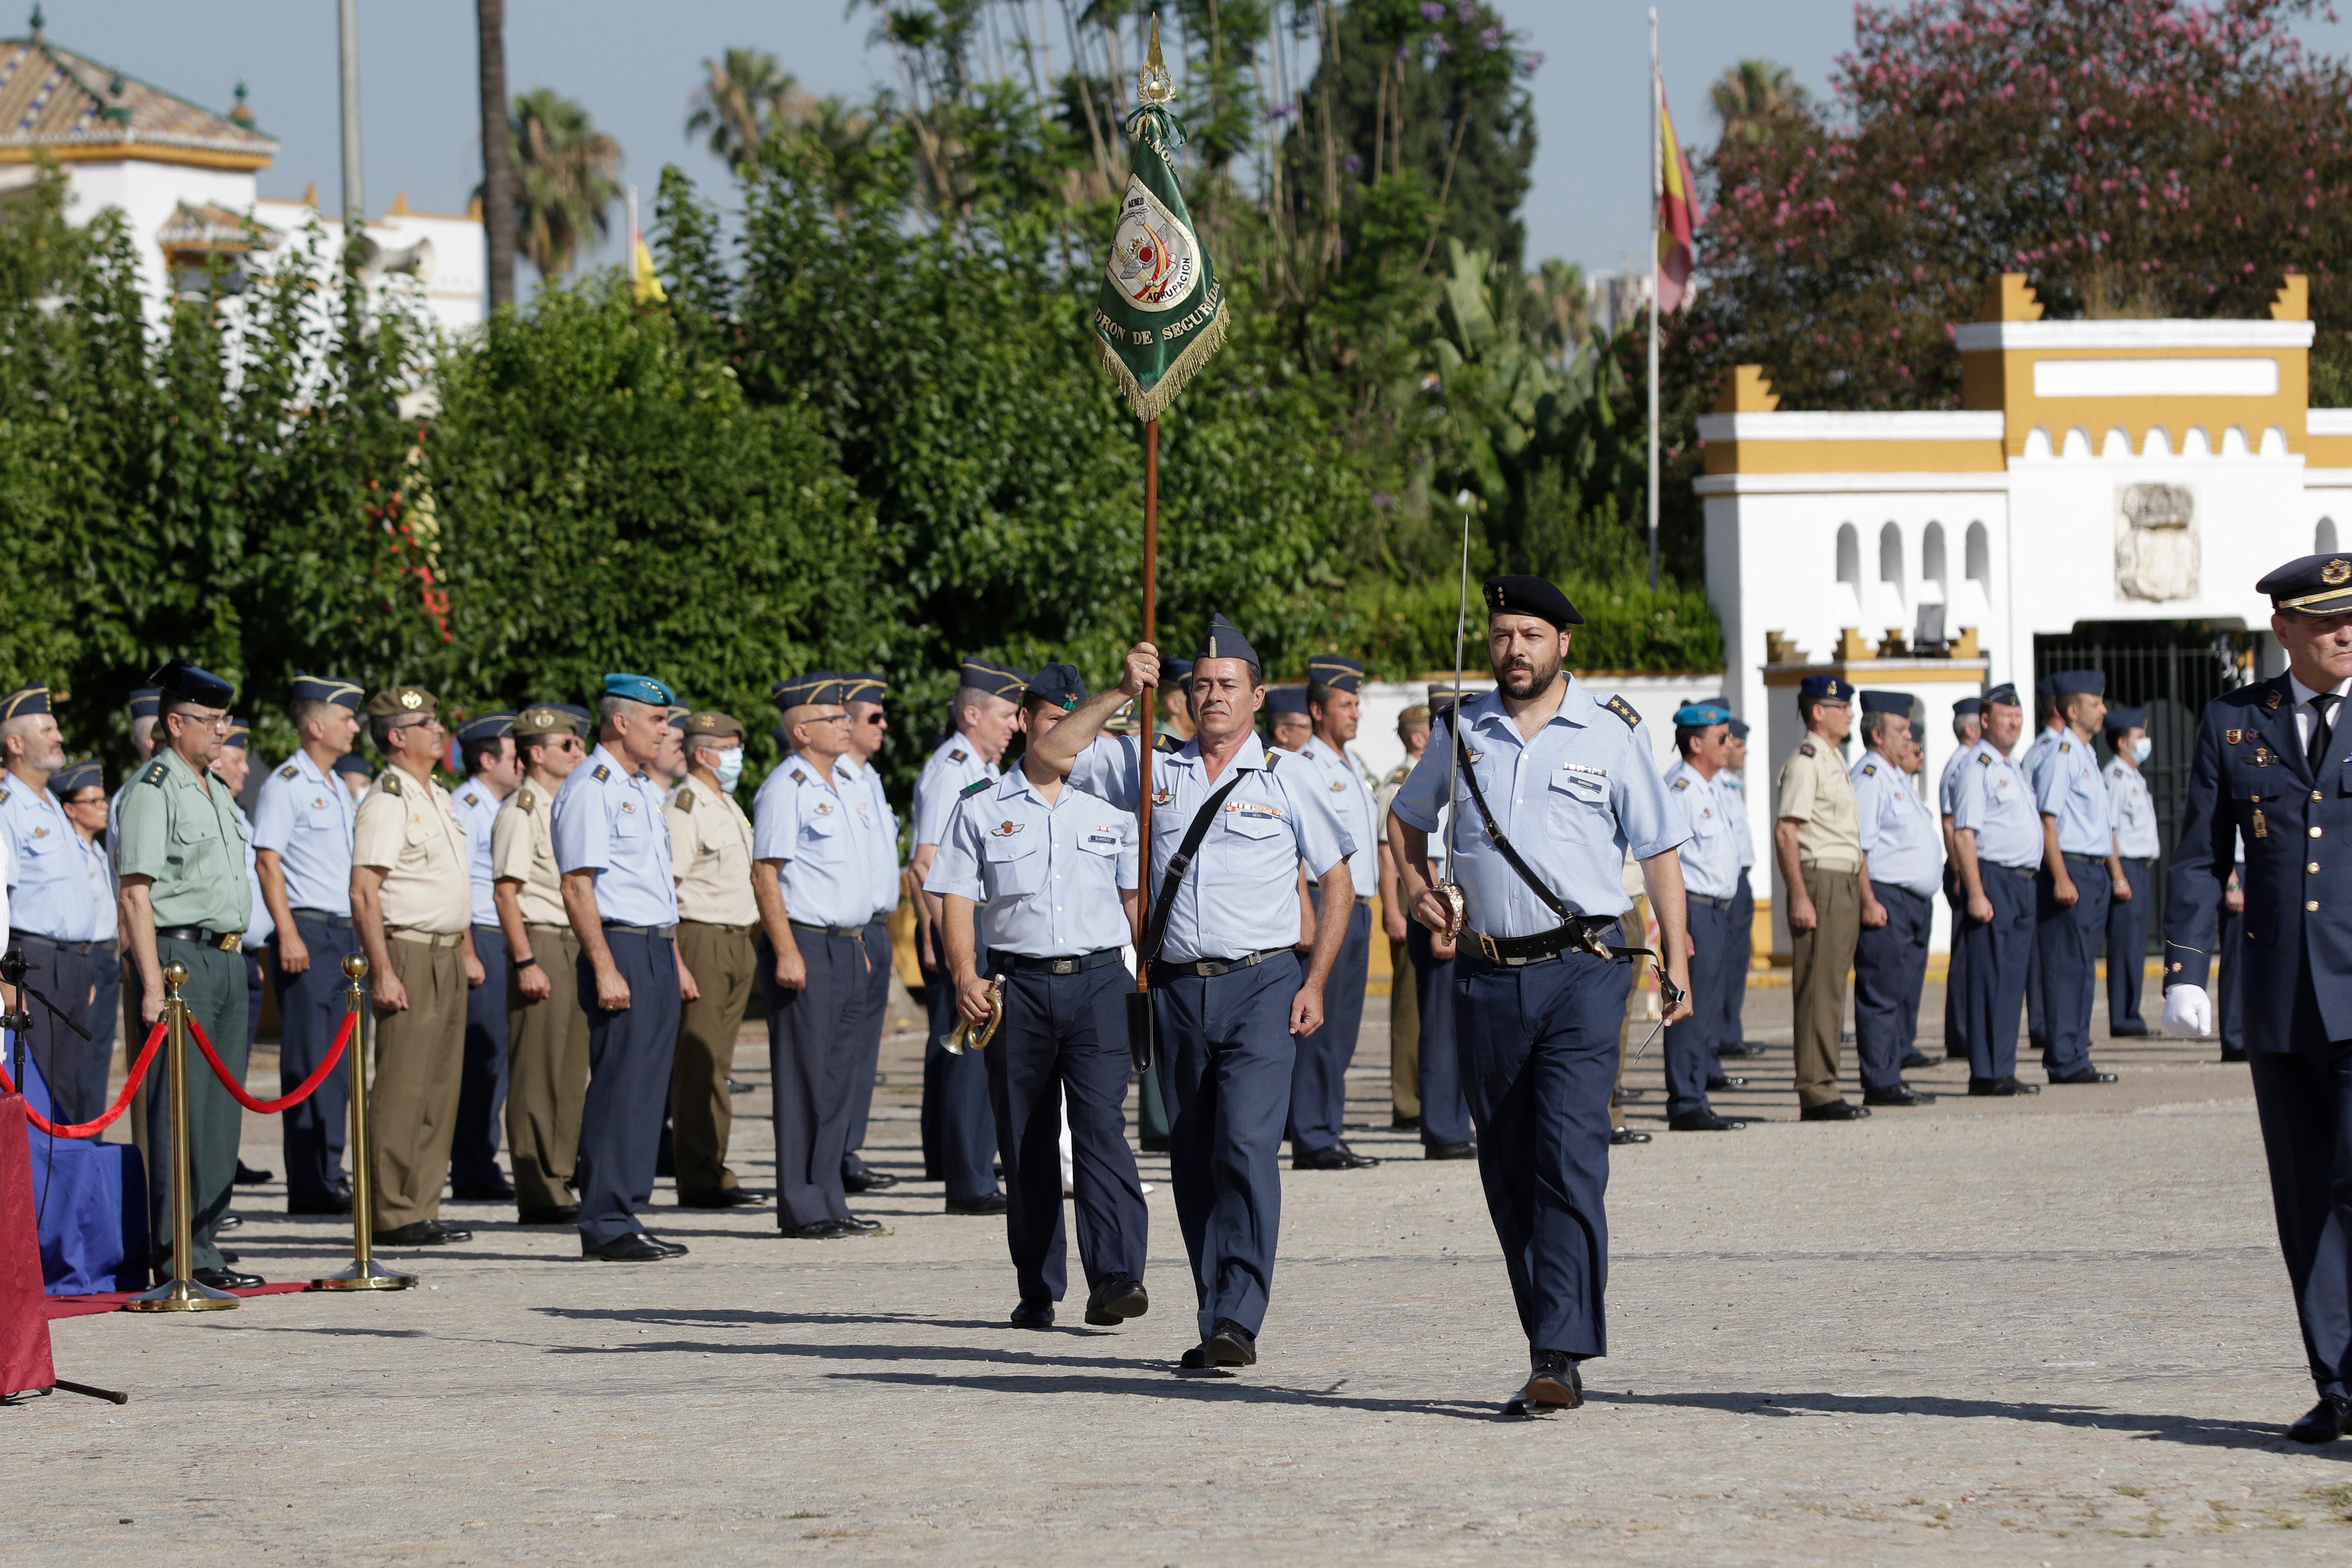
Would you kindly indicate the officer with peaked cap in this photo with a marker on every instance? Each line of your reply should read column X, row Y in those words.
column 60, row 891
column 1968, row 727
column 2269, row 773
column 870, row 727
column 1710, row 866
column 486, row 750
column 1056, row 868
column 303, row 820
column 959, row 1127
column 2080, row 873
column 813, row 877
column 1997, row 840
column 1319, row 1083
column 618, row 889
column 1817, row 842
column 2131, row 811
column 1567, row 778
column 181, row 861
column 1899, row 843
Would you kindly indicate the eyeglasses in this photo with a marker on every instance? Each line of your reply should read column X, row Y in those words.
column 827, row 718
column 876, row 719
column 208, row 720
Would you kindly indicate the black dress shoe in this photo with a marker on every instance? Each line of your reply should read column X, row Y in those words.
column 422, row 1233
column 723, row 1197
column 450, row 1232
column 1744, row 1048
column 331, row 1206
column 1627, row 1096
column 2127, row 1030
column 1704, row 1122
column 1404, row 1124
column 1901, row 1094
column 1118, row 1298
column 499, row 1191
column 248, row 1176
column 737, row 1086
column 2230, row 1055
column 669, row 1248
column 230, row 1279
column 2323, row 1423
column 1229, row 1345
column 636, row 1247
column 1553, row 1385
column 1037, row 1316
column 1153, row 1144
column 867, row 1180
column 227, row 1222
column 1912, row 1063
column 821, row 1230
column 553, row 1214
column 1622, row 1136
column 1338, row 1158
column 2001, row 1088
column 2083, row 1075
column 988, row 1203
column 1725, row 1082
column 864, row 1227
column 1449, row 1152
column 1835, row 1111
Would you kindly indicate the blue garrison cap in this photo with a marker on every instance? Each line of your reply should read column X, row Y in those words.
column 817, row 688
column 864, row 688
column 24, row 702
column 2315, row 585
column 1968, row 707
column 351, row 764
column 1058, row 683
column 1738, row 729
column 1224, row 639
column 146, row 702
column 489, row 727
column 1886, row 702
column 2123, row 718
column 327, row 689
column 639, row 689
column 1175, row 672
column 1829, row 688
column 1699, row 716
column 997, row 680
column 1336, row 670
column 2004, row 694
column 1287, row 699
column 73, row 775
column 2047, row 686
column 239, row 734
column 2078, row 683
column 180, row 681
column 587, row 719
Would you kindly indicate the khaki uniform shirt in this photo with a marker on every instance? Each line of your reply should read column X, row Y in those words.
column 523, row 850
column 1815, row 790
column 411, row 832
column 190, row 839
column 710, row 855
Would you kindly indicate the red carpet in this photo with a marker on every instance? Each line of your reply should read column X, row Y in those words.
column 58, row 1307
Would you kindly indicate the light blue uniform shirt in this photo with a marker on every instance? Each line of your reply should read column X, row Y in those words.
column 2071, row 790
column 2038, row 754
column 1573, row 801
column 954, row 764
column 856, row 777
column 1711, row 858
column 1351, row 801
column 822, row 838
column 1955, row 774
column 1734, row 791
column 306, row 816
column 1241, row 895
column 259, row 927
column 1901, row 839
column 609, row 820
column 56, row 878
column 1995, row 802
column 1050, row 875
column 2131, row 812
column 475, row 806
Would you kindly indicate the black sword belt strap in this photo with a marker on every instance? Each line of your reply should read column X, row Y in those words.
column 1178, row 865
column 1578, row 927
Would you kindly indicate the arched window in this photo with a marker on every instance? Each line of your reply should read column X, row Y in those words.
column 1849, row 557
column 1890, row 555
column 1979, row 558
column 2323, row 538
column 1931, row 558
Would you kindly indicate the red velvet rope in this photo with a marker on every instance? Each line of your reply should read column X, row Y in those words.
column 93, row 1129
column 302, row 1091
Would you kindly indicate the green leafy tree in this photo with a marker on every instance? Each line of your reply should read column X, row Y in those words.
column 567, row 177
column 745, row 92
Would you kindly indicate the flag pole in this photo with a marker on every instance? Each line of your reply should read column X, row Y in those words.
column 1150, row 702
column 1657, row 154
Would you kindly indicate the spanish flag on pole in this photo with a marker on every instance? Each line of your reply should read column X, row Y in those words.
column 1678, row 214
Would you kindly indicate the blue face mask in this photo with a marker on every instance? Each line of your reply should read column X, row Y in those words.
column 730, row 768
column 2141, row 747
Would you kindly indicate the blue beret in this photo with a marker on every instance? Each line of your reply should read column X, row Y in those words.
column 819, row 688
column 146, row 702
column 997, row 680
column 73, row 775
column 1336, row 670
column 1287, row 699
column 326, row 689
column 1060, row 685
column 1175, row 672
column 2004, row 694
column 2123, row 718
column 1968, row 707
column 239, row 734
column 1828, row 687
column 1224, row 639
column 24, row 702
column 489, row 727
column 1700, row 716
column 639, row 689
column 351, row 764
column 2078, row 683
column 864, row 688
column 1886, row 702
column 1529, row 596
column 180, row 681
column 2315, row 585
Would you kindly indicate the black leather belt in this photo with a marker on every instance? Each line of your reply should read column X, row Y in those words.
column 1711, row 902
column 1363, row 901
column 1209, row 968
column 2027, row 871
column 857, row 930
column 81, row 948
column 2086, row 860
column 667, row 932
column 1022, row 964
column 340, row 922
column 226, row 941
column 1580, row 933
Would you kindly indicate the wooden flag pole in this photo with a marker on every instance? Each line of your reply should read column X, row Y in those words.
column 1148, row 703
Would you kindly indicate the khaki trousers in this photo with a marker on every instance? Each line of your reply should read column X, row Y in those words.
column 546, row 1072
column 420, row 1055
column 724, row 963
column 1823, row 955
column 1404, row 1034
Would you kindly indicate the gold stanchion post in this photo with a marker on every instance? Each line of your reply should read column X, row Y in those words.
column 365, row 1274
column 180, row 1294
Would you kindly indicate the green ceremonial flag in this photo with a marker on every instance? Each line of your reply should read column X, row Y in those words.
column 1161, row 312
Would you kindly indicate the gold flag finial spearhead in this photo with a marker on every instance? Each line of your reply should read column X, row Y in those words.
column 1152, row 83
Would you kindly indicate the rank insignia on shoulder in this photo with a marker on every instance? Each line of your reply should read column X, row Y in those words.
column 524, row 799
column 1169, row 745
column 2065, row 746
column 958, row 754
column 472, row 799
column 601, row 773
column 975, row 787
column 155, row 774
column 1870, row 770
column 799, row 777
column 37, row 832
column 2271, row 701
column 1806, row 750
column 289, row 771
column 389, row 781
column 1984, row 758
column 1623, row 710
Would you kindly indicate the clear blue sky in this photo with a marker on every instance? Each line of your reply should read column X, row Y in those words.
column 634, row 66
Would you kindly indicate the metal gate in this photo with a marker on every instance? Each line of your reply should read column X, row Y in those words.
column 2173, row 668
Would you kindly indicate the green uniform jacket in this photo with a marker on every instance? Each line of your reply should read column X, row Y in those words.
column 188, row 838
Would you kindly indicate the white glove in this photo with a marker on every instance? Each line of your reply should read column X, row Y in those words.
column 2188, row 1012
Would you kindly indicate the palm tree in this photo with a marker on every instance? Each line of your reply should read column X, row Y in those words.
column 566, row 179
column 746, row 92
column 1752, row 95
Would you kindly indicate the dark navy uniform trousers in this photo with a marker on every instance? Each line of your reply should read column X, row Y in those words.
column 1956, row 970
column 2068, row 941
column 74, row 1069
column 1065, row 1034
column 2303, row 1094
column 1717, row 964
column 816, row 1042
column 482, row 1083
column 1539, row 1047
column 959, row 1127
column 1996, row 954
column 877, row 1011
column 1733, row 1030
column 1444, row 1113
column 2127, row 921
column 1890, row 971
column 311, row 1009
column 1227, row 1053
column 629, row 1056
column 2229, row 1006
column 1319, row 1074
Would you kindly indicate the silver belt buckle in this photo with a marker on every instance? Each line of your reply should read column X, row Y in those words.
column 1062, row 967
column 1210, row 968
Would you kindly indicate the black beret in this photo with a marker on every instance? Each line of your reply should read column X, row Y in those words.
column 1529, row 596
